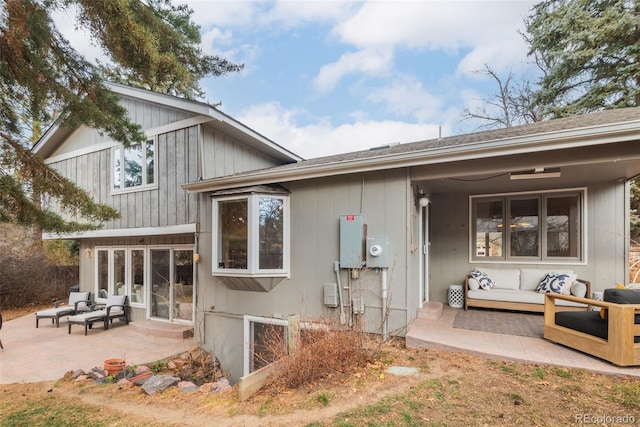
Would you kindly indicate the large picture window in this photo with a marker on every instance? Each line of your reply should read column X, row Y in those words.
column 252, row 235
column 530, row 226
column 134, row 166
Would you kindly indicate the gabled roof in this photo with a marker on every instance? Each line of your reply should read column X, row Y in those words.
column 578, row 131
column 55, row 135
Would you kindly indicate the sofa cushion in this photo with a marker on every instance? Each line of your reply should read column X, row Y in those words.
column 510, row 295
column 504, row 279
column 559, row 283
column 588, row 322
column 483, row 279
column 621, row 296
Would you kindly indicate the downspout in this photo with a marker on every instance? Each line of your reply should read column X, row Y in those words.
column 385, row 318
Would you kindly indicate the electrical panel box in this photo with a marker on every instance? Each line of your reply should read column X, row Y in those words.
column 378, row 252
column 331, row 295
column 351, row 241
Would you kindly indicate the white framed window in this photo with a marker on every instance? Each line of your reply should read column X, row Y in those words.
column 134, row 167
column 529, row 226
column 251, row 235
column 121, row 271
column 266, row 339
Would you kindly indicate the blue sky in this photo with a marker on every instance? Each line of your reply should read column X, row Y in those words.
column 326, row 77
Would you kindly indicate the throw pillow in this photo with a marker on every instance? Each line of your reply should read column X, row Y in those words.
column 558, row 283
column 474, row 285
column 579, row 289
column 483, row 279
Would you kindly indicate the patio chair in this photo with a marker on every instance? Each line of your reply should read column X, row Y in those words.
column 78, row 303
column 115, row 308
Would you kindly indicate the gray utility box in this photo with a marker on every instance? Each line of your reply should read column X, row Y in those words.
column 378, row 252
column 351, row 241
column 331, row 295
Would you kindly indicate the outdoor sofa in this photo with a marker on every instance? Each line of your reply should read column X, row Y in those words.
column 611, row 331
column 523, row 289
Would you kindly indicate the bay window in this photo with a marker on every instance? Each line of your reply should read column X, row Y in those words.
column 528, row 226
column 252, row 235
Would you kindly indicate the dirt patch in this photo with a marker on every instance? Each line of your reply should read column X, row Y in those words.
column 450, row 389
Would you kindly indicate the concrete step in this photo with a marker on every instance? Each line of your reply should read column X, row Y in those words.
column 162, row 329
column 431, row 310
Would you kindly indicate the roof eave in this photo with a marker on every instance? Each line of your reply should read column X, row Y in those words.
column 592, row 135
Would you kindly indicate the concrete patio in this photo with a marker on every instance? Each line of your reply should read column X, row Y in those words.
column 440, row 334
column 46, row 353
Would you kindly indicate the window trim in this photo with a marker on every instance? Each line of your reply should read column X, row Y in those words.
column 247, row 336
column 253, row 261
column 127, row 272
column 144, row 186
column 581, row 259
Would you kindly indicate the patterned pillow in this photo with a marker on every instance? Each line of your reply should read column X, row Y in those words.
column 485, row 281
column 559, row 283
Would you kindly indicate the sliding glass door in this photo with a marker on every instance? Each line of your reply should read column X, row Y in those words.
column 171, row 284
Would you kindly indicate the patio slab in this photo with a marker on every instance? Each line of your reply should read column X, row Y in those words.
column 441, row 335
column 46, row 353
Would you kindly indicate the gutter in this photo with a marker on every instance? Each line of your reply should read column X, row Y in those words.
column 335, row 165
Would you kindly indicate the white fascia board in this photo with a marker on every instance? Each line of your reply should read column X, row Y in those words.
column 199, row 108
column 125, row 232
column 582, row 137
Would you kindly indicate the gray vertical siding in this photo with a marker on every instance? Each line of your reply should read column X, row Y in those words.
column 176, row 164
column 316, row 206
column 605, row 231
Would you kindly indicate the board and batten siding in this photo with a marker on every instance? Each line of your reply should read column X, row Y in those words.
column 605, row 230
column 222, row 155
column 177, row 163
column 383, row 198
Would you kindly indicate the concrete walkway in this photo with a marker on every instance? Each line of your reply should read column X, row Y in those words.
column 46, row 353
column 441, row 335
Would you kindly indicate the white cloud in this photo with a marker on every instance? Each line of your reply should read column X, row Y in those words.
column 406, row 96
column 369, row 61
column 322, row 138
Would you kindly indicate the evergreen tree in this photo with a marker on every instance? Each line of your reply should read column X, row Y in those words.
column 42, row 77
column 589, row 51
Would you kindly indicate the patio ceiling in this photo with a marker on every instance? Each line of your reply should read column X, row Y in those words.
column 579, row 166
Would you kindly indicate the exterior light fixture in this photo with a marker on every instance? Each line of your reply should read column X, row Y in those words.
column 536, row 174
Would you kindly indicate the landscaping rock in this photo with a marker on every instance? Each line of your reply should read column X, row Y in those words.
column 207, row 388
column 77, row 373
column 221, row 384
column 186, row 386
column 82, row 378
column 142, row 369
column 141, row 378
column 159, row 383
column 125, row 382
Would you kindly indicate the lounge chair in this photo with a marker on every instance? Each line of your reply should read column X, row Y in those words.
column 115, row 308
column 78, row 303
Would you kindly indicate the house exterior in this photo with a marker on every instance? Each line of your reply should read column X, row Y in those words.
column 362, row 239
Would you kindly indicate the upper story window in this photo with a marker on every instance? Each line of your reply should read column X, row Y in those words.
column 134, row 166
column 545, row 226
column 252, row 235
